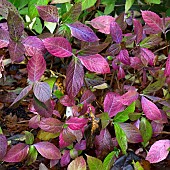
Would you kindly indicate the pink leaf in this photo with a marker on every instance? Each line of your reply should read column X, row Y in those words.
column 58, row 46
column 34, row 122
column 102, row 23
column 112, row 105
column 138, row 30
column 48, row 150
column 63, row 143
column 17, row 153
column 150, row 109
column 48, row 13
column 82, row 32
column 4, row 38
column 167, row 68
column 153, row 20
column 42, row 91
column 77, row 164
column 67, row 101
column 87, row 97
column 76, row 123
column 65, row 159
column 95, row 63
column 3, row 146
column 123, row 56
column 116, row 32
column 135, row 62
column 121, row 73
column 158, row 151
column 74, row 77
column 36, row 67
column 51, row 125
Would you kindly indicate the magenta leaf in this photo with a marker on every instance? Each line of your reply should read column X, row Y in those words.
column 36, row 67
column 51, row 125
column 74, row 77
column 3, row 146
column 153, row 20
column 77, row 164
column 121, row 73
column 167, row 68
column 123, row 56
column 4, row 38
column 58, row 46
column 102, row 23
column 95, row 63
column 48, row 150
column 112, row 105
column 76, row 123
column 114, row 49
column 116, row 32
column 17, row 153
column 158, row 151
column 87, row 97
column 80, row 146
column 22, row 94
column 48, row 13
column 65, row 159
column 138, row 30
column 150, row 109
column 42, row 91
column 82, row 32
column 67, row 101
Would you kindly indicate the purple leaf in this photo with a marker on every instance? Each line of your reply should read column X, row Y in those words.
column 17, row 153
column 87, row 97
column 77, row 164
column 150, row 109
column 48, row 150
column 112, row 105
column 114, row 49
column 158, row 151
column 156, row 128
column 48, row 13
column 34, row 121
column 76, row 123
column 102, row 23
column 82, row 32
column 80, row 146
column 121, row 73
column 3, row 146
column 65, row 159
column 153, row 20
column 95, row 63
column 132, row 133
column 58, row 46
column 36, row 67
column 116, row 32
column 51, row 125
column 67, row 101
column 135, row 62
column 42, row 91
column 74, row 77
column 123, row 56
column 22, row 94
column 4, row 38
column 167, row 68
column 138, row 30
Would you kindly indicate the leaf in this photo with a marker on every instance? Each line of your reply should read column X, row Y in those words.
column 158, row 151
column 48, row 13
column 128, row 5
column 94, row 163
column 48, row 150
column 37, row 26
column 65, row 159
column 156, row 128
column 95, row 63
column 153, row 20
column 102, row 23
column 77, row 164
column 167, row 67
column 138, row 30
column 67, row 101
column 105, row 119
column 17, row 153
column 59, row 1
column 121, row 137
column 32, row 155
column 87, row 97
column 34, row 121
column 153, row 1
column 116, row 32
column 82, row 32
column 109, row 160
column 3, row 146
column 121, row 73
column 4, row 38
column 51, row 125
column 46, row 136
column 74, row 77
column 80, row 146
column 114, row 49
column 36, row 67
column 123, row 56
column 42, row 91
column 87, row 3
column 22, row 94
column 150, row 109
column 29, row 138
column 58, row 46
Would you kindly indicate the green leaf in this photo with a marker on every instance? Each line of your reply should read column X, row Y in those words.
column 51, row 26
column 58, row 94
column 1, row 132
column 153, row 1
column 29, row 138
column 32, row 155
column 134, row 116
column 124, row 115
column 109, row 160
column 37, row 26
column 121, row 137
column 105, row 119
column 109, row 6
column 87, row 3
column 146, row 130
column 128, row 5
column 42, row 135
column 94, row 163
column 51, row 81
column 137, row 165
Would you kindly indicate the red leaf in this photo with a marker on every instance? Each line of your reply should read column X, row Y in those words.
column 48, row 13
column 74, row 77
column 167, row 68
column 3, row 146
column 51, row 125
column 17, row 153
column 77, row 164
column 87, row 97
column 4, row 38
column 158, row 151
column 138, row 30
column 67, row 101
column 36, row 67
column 48, row 150
column 58, row 46
column 102, row 23
column 95, row 63
column 82, row 32
column 150, row 109
column 76, row 123
column 153, row 20
column 123, row 56
column 116, row 32
column 42, row 91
